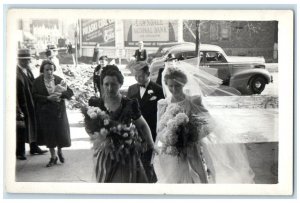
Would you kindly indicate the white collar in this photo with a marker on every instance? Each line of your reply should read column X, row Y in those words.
column 147, row 83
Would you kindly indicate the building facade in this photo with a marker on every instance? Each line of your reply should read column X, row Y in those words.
column 119, row 38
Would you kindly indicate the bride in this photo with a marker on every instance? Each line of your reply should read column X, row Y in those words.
column 191, row 145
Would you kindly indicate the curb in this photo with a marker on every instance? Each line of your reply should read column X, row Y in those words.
column 253, row 101
column 245, row 102
column 272, row 67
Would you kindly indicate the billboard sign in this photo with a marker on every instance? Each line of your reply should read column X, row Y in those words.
column 100, row 31
column 151, row 32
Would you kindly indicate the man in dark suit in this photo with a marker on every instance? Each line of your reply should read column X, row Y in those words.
column 26, row 120
column 147, row 93
column 103, row 61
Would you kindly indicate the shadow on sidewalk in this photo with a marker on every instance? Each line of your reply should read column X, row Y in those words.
column 79, row 165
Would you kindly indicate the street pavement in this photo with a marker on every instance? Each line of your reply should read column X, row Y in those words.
column 257, row 128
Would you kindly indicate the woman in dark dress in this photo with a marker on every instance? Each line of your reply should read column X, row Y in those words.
column 123, row 110
column 141, row 53
column 49, row 92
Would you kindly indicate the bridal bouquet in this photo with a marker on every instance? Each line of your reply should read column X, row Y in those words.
column 178, row 134
column 116, row 139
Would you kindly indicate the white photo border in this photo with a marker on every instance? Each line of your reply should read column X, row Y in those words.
column 285, row 89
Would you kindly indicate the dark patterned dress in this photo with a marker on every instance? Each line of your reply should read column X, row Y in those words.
column 108, row 169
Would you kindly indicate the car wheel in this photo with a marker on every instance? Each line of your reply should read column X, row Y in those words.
column 257, row 84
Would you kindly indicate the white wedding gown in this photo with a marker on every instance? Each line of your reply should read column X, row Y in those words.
column 209, row 159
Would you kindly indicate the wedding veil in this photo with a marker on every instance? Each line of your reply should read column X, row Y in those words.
column 225, row 156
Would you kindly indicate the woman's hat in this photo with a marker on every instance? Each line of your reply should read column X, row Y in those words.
column 24, row 54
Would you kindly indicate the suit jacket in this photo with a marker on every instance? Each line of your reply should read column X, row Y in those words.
column 140, row 56
column 148, row 103
column 25, row 103
column 96, row 80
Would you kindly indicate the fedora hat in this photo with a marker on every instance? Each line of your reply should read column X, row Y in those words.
column 52, row 47
column 170, row 57
column 24, row 54
column 49, row 53
column 103, row 58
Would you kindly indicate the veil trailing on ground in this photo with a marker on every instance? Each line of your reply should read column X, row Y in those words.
column 225, row 156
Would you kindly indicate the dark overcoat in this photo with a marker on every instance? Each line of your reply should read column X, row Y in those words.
column 26, row 103
column 53, row 125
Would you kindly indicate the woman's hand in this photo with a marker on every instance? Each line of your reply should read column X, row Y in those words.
column 57, row 93
column 144, row 131
column 55, row 97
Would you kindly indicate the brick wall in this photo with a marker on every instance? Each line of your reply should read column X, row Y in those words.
column 246, row 38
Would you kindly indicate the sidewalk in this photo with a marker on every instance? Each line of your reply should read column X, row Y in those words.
column 272, row 67
column 256, row 127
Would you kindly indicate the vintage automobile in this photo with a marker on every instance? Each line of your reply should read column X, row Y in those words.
column 162, row 49
column 246, row 74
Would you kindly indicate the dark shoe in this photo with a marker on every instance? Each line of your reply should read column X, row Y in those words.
column 37, row 151
column 21, row 157
column 52, row 162
column 61, row 158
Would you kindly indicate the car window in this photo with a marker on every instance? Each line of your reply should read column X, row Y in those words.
column 185, row 55
column 190, row 54
column 214, row 57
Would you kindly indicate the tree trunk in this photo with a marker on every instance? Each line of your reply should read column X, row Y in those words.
column 197, row 37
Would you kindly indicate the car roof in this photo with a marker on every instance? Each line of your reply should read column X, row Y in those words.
column 191, row 47
column 171, row 44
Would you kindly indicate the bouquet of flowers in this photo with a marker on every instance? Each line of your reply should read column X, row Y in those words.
column 179, row 131
column 116, row 139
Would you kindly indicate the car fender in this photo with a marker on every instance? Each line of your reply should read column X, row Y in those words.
column 247, row 74
column 241, row 79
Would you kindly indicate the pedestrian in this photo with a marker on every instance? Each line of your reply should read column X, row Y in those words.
column 147, row 93
column 26, row 120
column 49, row 92
column 70, row 48
column 141, row 53
column 51, row 53
column 103, row 61
column 96, row 54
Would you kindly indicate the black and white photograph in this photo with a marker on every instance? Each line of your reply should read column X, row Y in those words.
column 123, row 101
